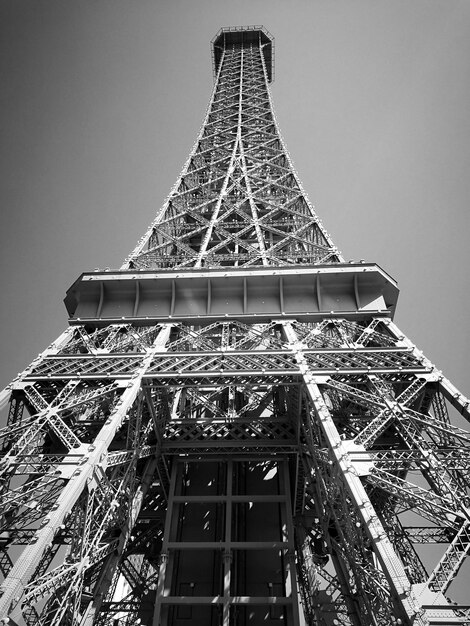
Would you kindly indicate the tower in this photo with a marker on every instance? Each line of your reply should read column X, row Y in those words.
column 232, row 430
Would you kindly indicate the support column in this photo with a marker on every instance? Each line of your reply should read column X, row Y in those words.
column 165, row 569
column 400, row 587
column 14, row 585
column 227, row 556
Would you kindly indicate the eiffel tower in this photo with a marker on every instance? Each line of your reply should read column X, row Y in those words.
column 232, row 431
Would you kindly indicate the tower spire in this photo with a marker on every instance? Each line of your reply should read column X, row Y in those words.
column 232, row 430
column 238, row 194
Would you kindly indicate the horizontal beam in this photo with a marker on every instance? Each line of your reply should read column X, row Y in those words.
column 306, row 293
column 228, row 545
column 243, row 444
column 263, row 600
column 208, row 367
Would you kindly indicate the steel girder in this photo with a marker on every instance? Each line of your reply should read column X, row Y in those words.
column 100, row 503
column 238, row 201
column 370, row 435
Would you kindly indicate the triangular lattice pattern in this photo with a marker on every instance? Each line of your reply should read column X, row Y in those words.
column 214, row 463
column 238, row 201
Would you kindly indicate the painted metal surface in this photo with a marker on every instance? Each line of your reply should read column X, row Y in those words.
column 252, row 295
column 233, row 431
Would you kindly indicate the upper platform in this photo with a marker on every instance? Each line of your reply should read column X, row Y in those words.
column 249, row 294
column 244, row 35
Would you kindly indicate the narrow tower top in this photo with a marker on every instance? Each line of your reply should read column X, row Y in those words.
column 242, row 36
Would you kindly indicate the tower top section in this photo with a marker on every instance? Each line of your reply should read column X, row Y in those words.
column 238, row 201
column 238, row 36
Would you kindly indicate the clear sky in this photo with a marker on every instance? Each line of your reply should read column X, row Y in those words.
column 101, row 101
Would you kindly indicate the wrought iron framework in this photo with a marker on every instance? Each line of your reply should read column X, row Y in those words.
column 232, row 430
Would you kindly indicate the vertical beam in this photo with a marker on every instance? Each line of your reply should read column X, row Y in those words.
column 254, row 211
column 231, row 167
column 13, row 586
column 400, row 587
column 166, row 561
column 227, row 555
column 288, row 532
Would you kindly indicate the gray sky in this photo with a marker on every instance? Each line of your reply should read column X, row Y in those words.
column 101, row 101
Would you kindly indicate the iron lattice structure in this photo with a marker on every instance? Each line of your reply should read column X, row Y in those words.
column 232, row 430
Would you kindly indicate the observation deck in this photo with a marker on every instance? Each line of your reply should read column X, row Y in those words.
column 244, row 36
column 251, row 295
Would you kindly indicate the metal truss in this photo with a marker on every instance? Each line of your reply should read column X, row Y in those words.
column 238, row 201
column 163, row 470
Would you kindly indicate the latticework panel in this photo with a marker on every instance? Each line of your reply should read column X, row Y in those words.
column 238, row 201
column 87, row 464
